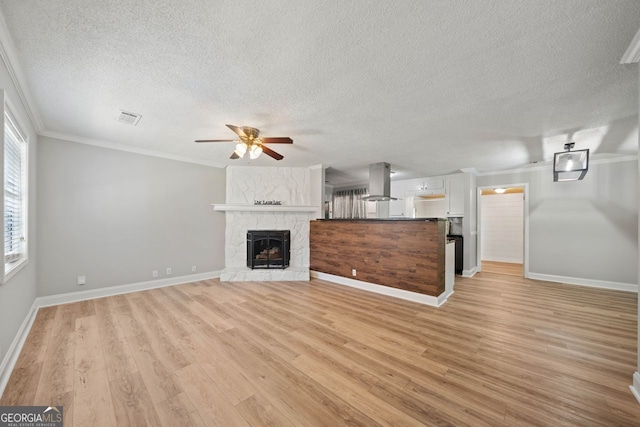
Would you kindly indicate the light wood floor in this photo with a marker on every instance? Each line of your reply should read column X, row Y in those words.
column 510, row 268
column 502, row 351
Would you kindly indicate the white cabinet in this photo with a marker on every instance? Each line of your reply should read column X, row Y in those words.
column 397, row 207
column 455, row 195
column 412, row 186
column 449, row 268
column 433, row 185
column 437, row 196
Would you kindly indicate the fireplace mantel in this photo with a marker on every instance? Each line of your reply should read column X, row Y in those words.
column 264, row 208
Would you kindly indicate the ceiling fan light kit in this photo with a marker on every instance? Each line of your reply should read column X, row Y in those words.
column 251, row 142
column 241, row 148
column 255, row 151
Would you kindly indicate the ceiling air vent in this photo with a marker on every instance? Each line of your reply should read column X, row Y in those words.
column 129, row 118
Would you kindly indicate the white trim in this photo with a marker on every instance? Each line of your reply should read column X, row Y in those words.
column 549, row 166
column 10, row 110
column 127, row 148
column 10, row 59
column 122, row 289
column 470, row 273
column 604, row 284
column 10, row 359
column 383, row 290
column 263, row 208
column 635, row 387
column 632, row 54
column 16, row 267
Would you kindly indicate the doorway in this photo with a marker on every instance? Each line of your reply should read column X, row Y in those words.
column 503, row 231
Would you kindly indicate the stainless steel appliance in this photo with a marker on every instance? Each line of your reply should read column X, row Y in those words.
column 459, row 251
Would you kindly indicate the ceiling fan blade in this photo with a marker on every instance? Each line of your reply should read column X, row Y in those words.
column 277, row 140
column 215, row 140
column 238, row 131
column 271, row 153
column 234, row 156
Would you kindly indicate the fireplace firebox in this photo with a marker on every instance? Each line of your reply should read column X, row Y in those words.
column 268, row 249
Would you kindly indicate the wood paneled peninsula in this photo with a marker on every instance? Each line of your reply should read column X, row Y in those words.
column 398, row 257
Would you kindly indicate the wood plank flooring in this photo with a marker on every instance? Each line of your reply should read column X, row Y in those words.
column 510, row 268
column 503, row 351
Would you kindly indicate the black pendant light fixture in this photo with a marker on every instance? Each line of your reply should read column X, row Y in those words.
column 570, row 165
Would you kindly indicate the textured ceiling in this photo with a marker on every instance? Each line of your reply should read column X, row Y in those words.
column 428, row 86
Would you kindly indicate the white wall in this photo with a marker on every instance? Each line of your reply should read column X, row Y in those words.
column 502, row 227
column 18, row 294
column 583, row 229
column 115, row 216
column 430, row 208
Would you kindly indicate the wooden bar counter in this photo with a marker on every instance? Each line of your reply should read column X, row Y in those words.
column 407, row 254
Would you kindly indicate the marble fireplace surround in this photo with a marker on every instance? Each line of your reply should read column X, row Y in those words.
column 300, row 191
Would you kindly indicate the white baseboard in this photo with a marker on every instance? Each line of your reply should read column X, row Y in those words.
column 617, row 286
column 10, row 359
column 245, row 274
column 635, row 388
column 122, row 289
column 384, row 290
column 470, row 273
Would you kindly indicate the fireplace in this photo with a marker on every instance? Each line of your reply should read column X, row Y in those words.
column 268, row 249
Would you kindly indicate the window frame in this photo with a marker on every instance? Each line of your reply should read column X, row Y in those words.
column 18, row 265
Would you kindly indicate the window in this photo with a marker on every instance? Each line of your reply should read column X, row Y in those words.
column 15, row 196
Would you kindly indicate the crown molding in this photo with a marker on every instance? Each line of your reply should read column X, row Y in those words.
column 550, row 165
column 10, row 59
column 632, row 55
column 127, row 148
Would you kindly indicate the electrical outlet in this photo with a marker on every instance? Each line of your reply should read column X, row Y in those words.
column 353, row 272
column 82, row 280
column 168, row 271
column 154, row 273
column 193, row 268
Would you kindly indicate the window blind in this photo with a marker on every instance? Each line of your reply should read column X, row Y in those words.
column 14, row 193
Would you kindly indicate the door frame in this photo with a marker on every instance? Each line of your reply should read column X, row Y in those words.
column 525, row 262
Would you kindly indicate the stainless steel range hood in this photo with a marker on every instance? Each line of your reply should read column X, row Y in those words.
column 379, row 183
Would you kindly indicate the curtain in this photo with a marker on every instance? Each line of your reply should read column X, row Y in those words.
column 349, row 203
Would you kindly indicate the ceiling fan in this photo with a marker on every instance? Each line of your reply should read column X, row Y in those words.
column 252, row 143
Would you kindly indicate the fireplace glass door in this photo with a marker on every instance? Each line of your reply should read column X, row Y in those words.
column 268, row 249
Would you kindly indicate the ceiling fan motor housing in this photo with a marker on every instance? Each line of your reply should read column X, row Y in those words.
column 250, row 141
column 252, row 133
